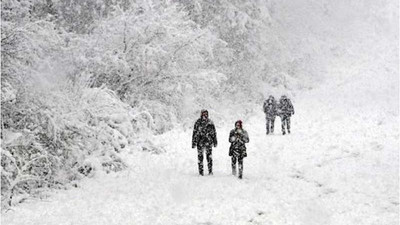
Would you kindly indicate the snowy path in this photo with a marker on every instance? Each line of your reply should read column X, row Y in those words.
column 335, row 168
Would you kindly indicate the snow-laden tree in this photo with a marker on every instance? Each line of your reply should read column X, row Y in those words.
column 54, row 130
column 153, row 56
column 259, row 57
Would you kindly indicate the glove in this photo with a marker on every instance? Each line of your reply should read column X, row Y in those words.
column 193, row 145
column 215, row 145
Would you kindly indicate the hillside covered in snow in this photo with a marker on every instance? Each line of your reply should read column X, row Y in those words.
column 99, row 99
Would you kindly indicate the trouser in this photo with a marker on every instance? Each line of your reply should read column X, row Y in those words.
column 239, row 160
column 285, row 123
column 270, row 125
column 200, row 157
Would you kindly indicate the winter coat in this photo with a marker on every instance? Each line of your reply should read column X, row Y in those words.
column 238, row 138
column 285, row 107
column 270, row 108
column 204, row 133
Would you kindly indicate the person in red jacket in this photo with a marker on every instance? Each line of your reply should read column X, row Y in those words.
column 238, row 137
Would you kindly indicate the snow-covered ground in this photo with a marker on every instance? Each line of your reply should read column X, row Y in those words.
column 339, row 166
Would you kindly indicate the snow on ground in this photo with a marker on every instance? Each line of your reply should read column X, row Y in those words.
column 339, row 166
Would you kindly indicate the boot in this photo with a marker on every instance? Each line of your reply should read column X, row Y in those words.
column 210, row 171
column 233, row 172
column 240, row 172
column 201, row 173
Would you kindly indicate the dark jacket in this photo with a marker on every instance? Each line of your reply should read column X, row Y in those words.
column 285, row 107
column 238, row 138
column 270, row 108
column 204, row 133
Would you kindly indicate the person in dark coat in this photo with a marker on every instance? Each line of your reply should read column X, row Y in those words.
column 285, row 111
column 238, row 137
column 270, row 108
column 204, row 137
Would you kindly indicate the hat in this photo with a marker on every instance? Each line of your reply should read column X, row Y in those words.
column 203, row 111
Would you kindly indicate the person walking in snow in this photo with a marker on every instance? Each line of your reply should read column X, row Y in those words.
column 238, row 137
column 285, row 111
column 270, row 113
column 204, row 137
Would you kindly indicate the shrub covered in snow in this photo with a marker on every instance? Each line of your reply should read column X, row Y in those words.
column 61, row 138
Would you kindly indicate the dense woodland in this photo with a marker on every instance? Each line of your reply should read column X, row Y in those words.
column 84, row 79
